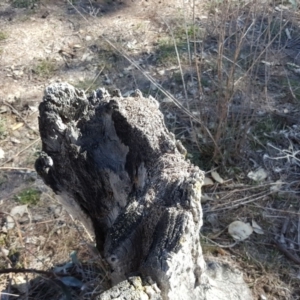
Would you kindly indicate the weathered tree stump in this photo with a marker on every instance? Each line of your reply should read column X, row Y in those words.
column 116, row 167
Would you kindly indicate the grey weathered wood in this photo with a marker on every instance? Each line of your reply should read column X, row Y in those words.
column 114, row 164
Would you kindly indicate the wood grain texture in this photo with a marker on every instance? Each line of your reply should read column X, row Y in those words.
column 114, row 165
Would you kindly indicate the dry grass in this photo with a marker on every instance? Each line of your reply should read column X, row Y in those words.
column 236, row 53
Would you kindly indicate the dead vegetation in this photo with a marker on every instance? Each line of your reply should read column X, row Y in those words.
column 226, row 74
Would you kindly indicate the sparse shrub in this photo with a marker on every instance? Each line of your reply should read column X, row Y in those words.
column 3, row 36
column 3, row 130
column 24, row 3
column 166, row 52
column 236, row 52
column 44, row 68
column 29, row 196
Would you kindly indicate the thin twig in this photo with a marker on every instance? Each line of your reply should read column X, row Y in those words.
column 179, row 64
column 288, row 80
column 19, row 233
column 298, row 229
column 25, row 270
column 8, row 294
column 154, row 82
column 219, row 245
column 19, row 115
column 95, row 79
column 16, row 168
column 277, row 210
column 88, row 245
column 17, row 154
column 287, row 253
column 87, row 232
column 240, row 202
column 9, row 262
column 258, row 57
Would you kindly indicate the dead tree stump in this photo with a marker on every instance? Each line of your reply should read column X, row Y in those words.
column 116, row 167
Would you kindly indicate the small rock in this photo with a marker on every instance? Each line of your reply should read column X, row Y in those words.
column 37, row 218
column 33, row 108
column 170, row 116
column 16, row 126
column 192, row 92
column 57, row 211
column 20, row 283
column 258, row 175
column 2, row 153
column 190, row 84
column 167, row 100
column 107, row 81
column 130, row 45
column 18, row 73
column 153, row 87
column 14, row 140
column 297, row 71
column 239, row 230
column 31, row 137
column 16, row 134
column 32, row 240
column 87, row 57
column 10, row 223
column 4, row 251
column 215, row 175
column 213, row 220
column 3, row 109
column 196, row 113
column 19, row 210
column 207, row 181
column 128, row 69
column 12, row 97
column 161, row 72
column 24, row 219
column 45, row 14
column 205, row 198
column 128, row 93
column 88, row 38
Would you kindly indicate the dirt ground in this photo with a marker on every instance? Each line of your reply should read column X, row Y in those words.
column 105, row 43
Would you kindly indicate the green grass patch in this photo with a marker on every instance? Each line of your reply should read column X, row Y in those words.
column 263, row 132
column 265, row 127
column 291, row 86
column 181, row 35
column 189, row 32
column 3, row 35
column 166, row 51
column 45, row 68
column 87, row 85
column 29, row 196
column 108, row 56
column 3, row 129
column 24, row 3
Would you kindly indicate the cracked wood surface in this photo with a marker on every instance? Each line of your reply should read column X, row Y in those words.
column 115, row 166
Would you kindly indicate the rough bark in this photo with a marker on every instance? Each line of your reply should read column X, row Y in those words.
column 116, row 167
